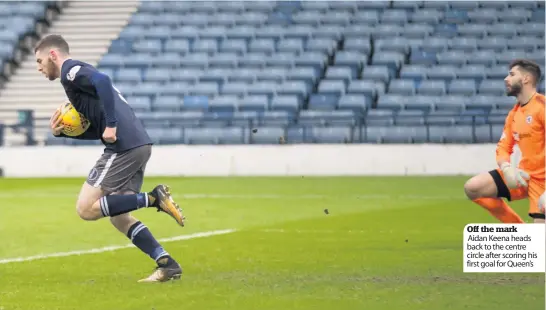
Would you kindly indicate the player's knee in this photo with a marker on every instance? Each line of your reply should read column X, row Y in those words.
column 85, row 211
column 472, row 189
column 479, row 186
column 87, row 205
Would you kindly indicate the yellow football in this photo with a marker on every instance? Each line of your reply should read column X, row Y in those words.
column 73, row 121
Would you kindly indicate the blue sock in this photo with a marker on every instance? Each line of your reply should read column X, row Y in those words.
column 113, row 205
column 143, row 239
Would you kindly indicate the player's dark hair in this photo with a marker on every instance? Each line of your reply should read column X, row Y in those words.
column 528, row 66
column 53, row 40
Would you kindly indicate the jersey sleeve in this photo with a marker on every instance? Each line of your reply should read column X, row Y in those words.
column 506, row 142
column 97, row 83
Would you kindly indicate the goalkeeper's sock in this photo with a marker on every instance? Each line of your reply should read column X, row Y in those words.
column 499, row 209
column 113, row 205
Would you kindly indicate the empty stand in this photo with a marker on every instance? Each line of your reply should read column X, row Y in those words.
column 19, row 22
column 336, row 72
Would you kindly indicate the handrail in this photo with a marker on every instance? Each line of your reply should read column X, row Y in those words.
column 24, row 125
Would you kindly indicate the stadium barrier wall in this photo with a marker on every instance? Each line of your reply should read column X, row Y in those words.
column 263, row 160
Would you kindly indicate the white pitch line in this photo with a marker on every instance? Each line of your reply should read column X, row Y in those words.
column 113, row 247
column 316, row 231
column 8, row 195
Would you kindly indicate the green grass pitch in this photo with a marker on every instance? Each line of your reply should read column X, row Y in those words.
column 386, row 243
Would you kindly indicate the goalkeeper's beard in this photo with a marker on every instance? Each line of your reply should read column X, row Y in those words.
column 514, row 90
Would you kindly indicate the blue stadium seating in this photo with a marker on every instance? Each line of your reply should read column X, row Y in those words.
column 18, row 19
column 323, row 72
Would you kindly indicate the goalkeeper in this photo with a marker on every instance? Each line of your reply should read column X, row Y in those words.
column 113, row 186
column 524, row 126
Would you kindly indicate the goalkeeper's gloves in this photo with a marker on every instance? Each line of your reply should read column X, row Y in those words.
column 513, row 176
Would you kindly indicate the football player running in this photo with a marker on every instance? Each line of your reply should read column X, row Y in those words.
column 113, row 186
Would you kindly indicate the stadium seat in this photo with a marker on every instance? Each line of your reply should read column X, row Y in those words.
column 451, row 103
column 442, row 72
column 340, row 73
column 396, row 44
column 323, row 101
column 254, row 102
column 195, row 103
column 289, row 103
column 465, row 87
column 393, row 60
column 491, row 87
column 441, row 118
column 376, row 73
column 351, row 59
column 296, row 135
column 420, row 102
column 157, row 75
column 414, row 72
column 224, row 104
column 331, row 134
column 465, row 44
column 391, row 101
column 432, row 87
column 475, row 72
column 451, row 134
column 452, row 57
column 482, row 16
column 173, row 88
column 311, row 59
column 402, row 87
column 355, row 102
column 327, row 118
column 165, row 135
column 277, row 118
column 396, row 134
column 410, row 118
column 167, row 103
column 482, row 134
column 267, row 135
column 380, row 117
column 225, row 135
column 420, row 57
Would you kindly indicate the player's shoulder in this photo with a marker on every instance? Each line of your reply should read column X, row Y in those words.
column 538, row 103
column 71, row 68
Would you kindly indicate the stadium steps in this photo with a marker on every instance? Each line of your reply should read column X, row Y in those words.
column 89, row 27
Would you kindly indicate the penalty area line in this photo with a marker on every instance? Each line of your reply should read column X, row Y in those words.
column 114, row 247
